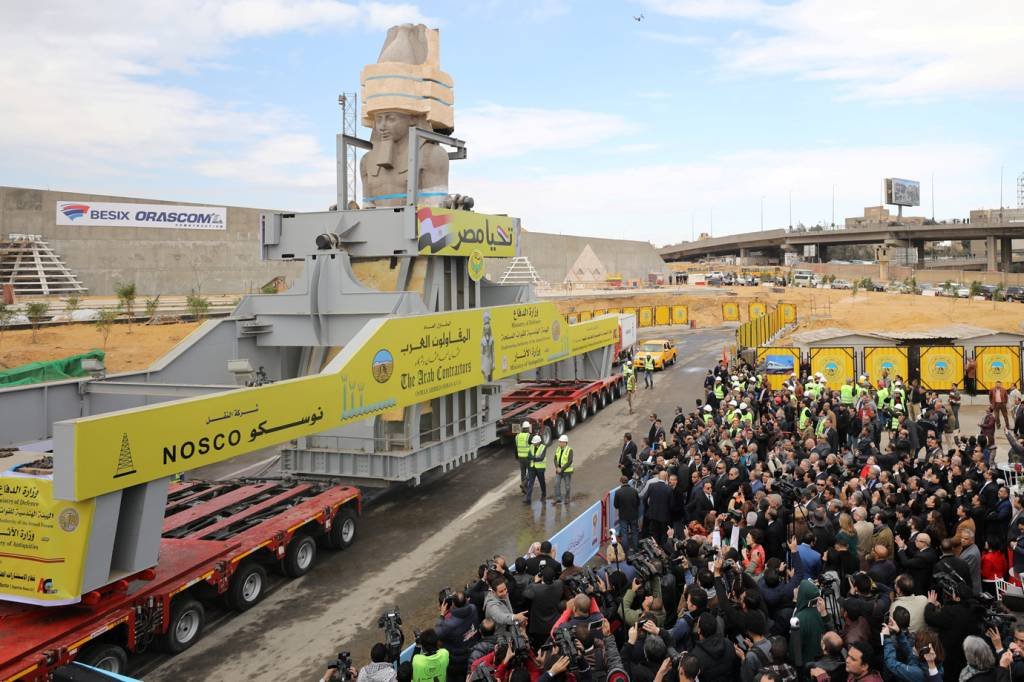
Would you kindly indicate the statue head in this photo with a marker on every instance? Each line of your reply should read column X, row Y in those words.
column 393, row 126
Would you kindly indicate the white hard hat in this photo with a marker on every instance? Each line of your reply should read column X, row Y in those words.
column 628, row 363
column 526, row 425
column 732, row 403
column 863, row 377
column 743, row 406
column 899, row 383
column 563, row 439
column 707, row 408
column 536, row 440
column 819, row 375
column 735, row 378
column 718, row 379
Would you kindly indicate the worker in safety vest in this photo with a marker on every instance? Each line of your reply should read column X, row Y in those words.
column 630, row 387
column 430, row 659
column 897, row 413
column 523, row 454
column 846, row 393
column 734, row 413
column 805, row 418
column 649, row 371
column 563, row 469
column 719, row 389
column 709, row 417
column 899, row 396
column 882, row 398
column 746, row 416
column 538, row 464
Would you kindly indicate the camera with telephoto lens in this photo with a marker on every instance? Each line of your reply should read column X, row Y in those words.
column 394, row 638
column 518, row 644
column 584, row 582
column 566, row 644
column 343, row 664
column 446, row 597
column 994, row 615
column 646, row 560
column 828, row 585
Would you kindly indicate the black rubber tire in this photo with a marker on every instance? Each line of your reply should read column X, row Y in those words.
column 105, row 656
column 248, row 586
column 343, row 529
column 584, row 410
column 560, row 426
column 603, row 400
column 299, row 556
column 574, row 419
column 547, row 434
column 186, row 625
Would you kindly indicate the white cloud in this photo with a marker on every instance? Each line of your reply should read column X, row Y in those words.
column 84, row 92
column 496, row 131
column 914, row 48
column 655, row 201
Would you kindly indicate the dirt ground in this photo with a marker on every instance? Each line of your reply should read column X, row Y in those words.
column 819, row 308
column 125, row 351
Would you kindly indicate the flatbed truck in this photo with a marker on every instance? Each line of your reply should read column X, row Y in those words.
column 554, row 407
column 219, row 540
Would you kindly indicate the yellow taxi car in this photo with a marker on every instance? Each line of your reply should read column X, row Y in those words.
column 662, row 351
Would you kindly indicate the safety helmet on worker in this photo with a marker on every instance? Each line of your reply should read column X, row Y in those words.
column 707, row 408
column 743, row 406
column 563, row 439
column 536, row 440
column 526, row 425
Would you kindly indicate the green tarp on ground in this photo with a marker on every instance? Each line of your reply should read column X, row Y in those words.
column 51, row 370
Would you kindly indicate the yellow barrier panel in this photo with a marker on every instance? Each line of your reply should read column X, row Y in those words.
column 788, row 313
column 43, row 544
column 997, row 363
column 586, row 316
column 837, row 364
column 731, row 312
column 885, row 358
column 941, row 367
column 646, row 316
column 756, row 309
column 779, row 364
column 391, row 363
column 629, row 311
column 604, row 311
column 661, row 315
column 680, row 314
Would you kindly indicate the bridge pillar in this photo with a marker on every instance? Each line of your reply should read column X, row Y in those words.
column 1006, row 254
column 990, row 254
column 920, row 255
column 822, row 252
column 744, row 255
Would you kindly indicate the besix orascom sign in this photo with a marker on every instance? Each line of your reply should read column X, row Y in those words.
column 106, row 214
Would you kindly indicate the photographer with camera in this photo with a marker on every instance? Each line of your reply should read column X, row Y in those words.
column 456, row 629
column 953, row 619
column 545, row 595
column 919, row 660
column 651, row 604
column 342, row 670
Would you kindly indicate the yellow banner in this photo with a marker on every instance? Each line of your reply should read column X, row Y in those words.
column 891, row 359
column 680, row 314
column 646, row 316
column 42, row 542
column 756, row 309
column 997, row 363
column 835, row 363
column 779, row 364
column 788, row 313
column 661, row 315
column 447, row 232
column 731, row 312
column 941, row 366
column 402, row 361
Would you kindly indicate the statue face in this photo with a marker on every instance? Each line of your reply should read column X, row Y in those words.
column 393, row 126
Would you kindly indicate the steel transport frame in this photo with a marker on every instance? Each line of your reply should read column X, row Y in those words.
column 554, row 407
column 219, row 538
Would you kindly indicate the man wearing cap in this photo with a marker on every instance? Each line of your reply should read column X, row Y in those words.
column 538, row 464
column 709, row 416
column 523, row 454
column 719, row 390
column 563, row 469
column 649, row 371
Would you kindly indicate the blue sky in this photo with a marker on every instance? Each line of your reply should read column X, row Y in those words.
column 578, row 118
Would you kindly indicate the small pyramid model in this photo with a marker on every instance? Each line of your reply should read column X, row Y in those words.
column 28, row 263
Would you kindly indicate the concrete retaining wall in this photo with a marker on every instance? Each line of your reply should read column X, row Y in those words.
column 159, row 261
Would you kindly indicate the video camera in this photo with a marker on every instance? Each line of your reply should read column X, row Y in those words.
column 518, row 644
column 566, row 644
column 394, row 638
column 994, row 615
column 343, row 664
column 647, row 560
column 828, row 585
column 584, row 582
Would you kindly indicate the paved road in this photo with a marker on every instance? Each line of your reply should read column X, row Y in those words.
column 413, row 542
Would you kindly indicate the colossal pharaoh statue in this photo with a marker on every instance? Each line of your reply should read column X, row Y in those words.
column 406, row 87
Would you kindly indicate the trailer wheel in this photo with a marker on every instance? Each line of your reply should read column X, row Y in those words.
column 585, row 409
column 300, row 556
column 560, row 426
column 248, row 585
column 602, row 402
column 187, row 620
column 546, row 434
column 574, row 418
column 343, row 530
column 105, row 656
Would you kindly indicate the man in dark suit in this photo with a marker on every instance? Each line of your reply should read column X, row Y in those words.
column 658, row 508
column 702, row 502
column 628, row 455
column 919, row 562
column 627, row 503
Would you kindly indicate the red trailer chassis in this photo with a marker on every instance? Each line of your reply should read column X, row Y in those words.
column 219, row 538
column 554, row 407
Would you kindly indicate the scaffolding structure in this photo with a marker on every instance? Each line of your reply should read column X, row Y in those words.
column 29, row 264
column 349, row 103
column 520, row 271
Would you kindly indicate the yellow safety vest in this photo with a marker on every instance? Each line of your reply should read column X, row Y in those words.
column 649, row 364
column 748, row 418
column 523, row 445
column 708, row 419
column 805, row 417
column 563, row 459
column 537, row 458
column 630, row 382
column 719, row 391
column 883, row 397
column 846, row 394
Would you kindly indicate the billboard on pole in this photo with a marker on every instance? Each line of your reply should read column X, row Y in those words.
column 901, row 192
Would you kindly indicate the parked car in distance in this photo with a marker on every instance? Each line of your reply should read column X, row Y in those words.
column 841, row 284
column 803, row 278
column 950, row 290
column 1014, row 294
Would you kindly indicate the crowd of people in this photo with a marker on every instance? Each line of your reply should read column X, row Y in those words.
column 796, row 533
